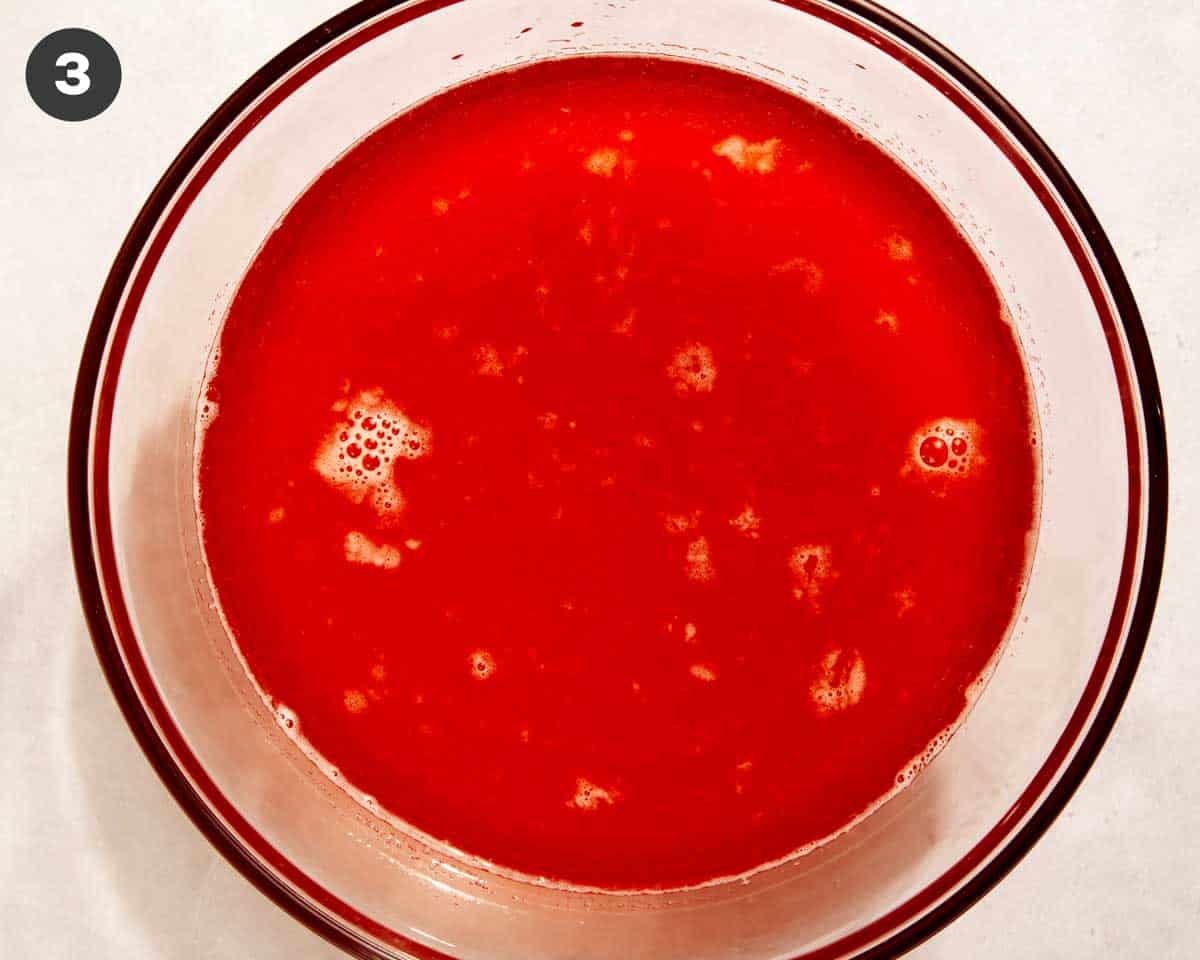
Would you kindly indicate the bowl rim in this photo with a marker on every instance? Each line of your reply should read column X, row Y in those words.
column 909, row 923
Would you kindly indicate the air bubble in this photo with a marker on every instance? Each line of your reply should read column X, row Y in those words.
column 934, row 452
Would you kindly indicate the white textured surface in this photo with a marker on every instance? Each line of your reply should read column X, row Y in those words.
column 95, row 859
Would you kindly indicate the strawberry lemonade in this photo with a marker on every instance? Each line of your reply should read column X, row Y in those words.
column 618, row 470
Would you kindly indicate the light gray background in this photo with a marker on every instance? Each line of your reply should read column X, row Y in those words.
column 95, row 859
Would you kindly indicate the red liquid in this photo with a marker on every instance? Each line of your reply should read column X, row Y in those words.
column 621, row 469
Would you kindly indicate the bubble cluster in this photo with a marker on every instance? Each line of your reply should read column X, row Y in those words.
column 840, row 681
column 605, row 161
column 355, row 701
column 920, row 762
column 887, row 320
column 678, row 523
column 947, row 446
column 589, row 796
column 747, row 156
column 812, row 570
column 693, row 369
column 359, row 548
column 207, row 412
column 482, row 664
column 287, row 719
column 811, row 276
column 698, row 561
column 747, row 522
column 906, row 600
column 441, row 205
column 898, row 247
column 488, row 362
column 703, row 672
column 357, row 455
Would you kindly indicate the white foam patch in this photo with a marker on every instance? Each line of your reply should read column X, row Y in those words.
column 886, row 320
column 749, row 157
column 488, row 362
column 693, row 369
column 359, row 548
column 812, row 571
column 590, row 796
column 811, row 276
column 358, row 454
column 441, row 205
column 898, row 247
column 840, row 681
column 679, row 523
column 747, row 522
column 703, row 672
column 698, row 561
column 606, row 161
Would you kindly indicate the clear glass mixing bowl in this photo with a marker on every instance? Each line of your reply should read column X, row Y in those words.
column 888, row 883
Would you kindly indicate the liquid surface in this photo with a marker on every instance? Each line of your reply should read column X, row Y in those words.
column 619, row 470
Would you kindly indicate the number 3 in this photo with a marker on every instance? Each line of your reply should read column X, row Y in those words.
column 77, row 80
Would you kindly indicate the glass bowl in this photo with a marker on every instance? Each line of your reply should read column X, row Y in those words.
column 377, row 892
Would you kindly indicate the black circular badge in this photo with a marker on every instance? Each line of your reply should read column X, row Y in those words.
column 73, row 74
